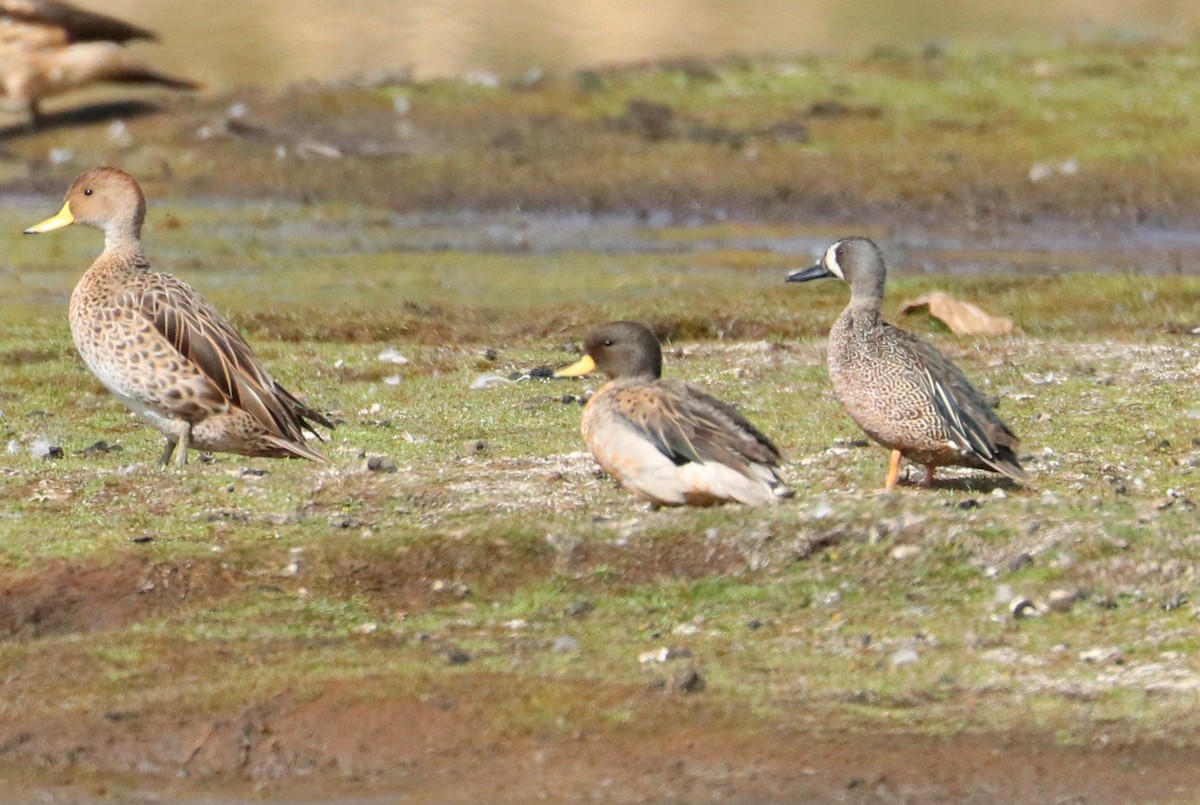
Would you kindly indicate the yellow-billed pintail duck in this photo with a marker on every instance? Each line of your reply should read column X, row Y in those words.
column 668, row 441
column 162, row 349
column 905, row 394
column 48, row 48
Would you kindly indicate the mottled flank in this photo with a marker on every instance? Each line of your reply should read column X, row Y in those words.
column 667, row 441
column 899, row 389
column 162, row 349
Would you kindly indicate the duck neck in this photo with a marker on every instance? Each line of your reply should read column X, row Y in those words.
column 865, row 305
column 123, row 239
column 866, row 293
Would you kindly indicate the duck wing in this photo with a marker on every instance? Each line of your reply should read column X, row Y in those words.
column 962, row 408
column 201, row 335
column 687, row 424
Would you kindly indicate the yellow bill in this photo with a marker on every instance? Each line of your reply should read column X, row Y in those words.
column 580, row 367
column 64, row 218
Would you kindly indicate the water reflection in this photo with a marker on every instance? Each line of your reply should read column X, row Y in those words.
column 280, row 41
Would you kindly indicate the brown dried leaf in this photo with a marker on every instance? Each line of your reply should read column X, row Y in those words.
column 963, row 318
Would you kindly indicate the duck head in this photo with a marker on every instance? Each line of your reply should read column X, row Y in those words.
column 857, row 261
column 619, row 349
column 106, row 198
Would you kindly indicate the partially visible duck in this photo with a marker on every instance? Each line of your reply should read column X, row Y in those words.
column 668, row 441
column 48, row 48
column 163, row 349
column 45, row 23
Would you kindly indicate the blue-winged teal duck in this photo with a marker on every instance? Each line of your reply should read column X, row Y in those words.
column 899, row 389
column 162, row 349
column 48, row 48
column 668, row 441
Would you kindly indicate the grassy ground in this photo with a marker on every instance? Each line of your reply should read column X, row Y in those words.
column 496, row 597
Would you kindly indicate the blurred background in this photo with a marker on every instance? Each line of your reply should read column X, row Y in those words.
column 275, row 42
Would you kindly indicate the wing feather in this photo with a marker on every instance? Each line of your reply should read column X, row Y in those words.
column 976, row 429
column 687, row 424
column 201, row 335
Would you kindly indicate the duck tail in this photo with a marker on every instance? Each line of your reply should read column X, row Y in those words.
column 295, row 449
column 1004, row 461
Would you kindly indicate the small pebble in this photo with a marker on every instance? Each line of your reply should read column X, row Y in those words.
column 42, row 448
column 1103, row 656
column 486, row 381
column 577, row 609
column 390, row 355
column 1021, row 560
column 566, row 645
column 380, row 464
column 905, row 656
column 686, row 680
column 654, row 656
column 99, row 448
column 820, row 510
column 1022, row 607
column 474, row 447
column 902, row 552
column 1062, row 600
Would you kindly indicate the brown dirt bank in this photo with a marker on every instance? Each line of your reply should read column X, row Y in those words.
column 339, row 742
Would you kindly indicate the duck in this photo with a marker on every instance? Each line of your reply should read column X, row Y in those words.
column 42, row 23
column 668, row 441
column 48, row 48
column 905, row 394
column 162, row 349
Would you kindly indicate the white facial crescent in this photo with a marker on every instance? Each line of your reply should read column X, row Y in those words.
column 831, row 263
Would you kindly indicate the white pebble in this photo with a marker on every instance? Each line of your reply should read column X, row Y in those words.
column 657, row 655
column 487, row 381
column 390, row 355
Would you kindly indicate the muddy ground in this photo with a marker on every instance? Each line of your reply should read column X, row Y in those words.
column 338, row 742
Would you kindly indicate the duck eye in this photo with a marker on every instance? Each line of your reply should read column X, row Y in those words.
column 608, row 342
column 839, row 253
column 87, row 192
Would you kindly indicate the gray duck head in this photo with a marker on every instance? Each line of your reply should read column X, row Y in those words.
column 855, row 260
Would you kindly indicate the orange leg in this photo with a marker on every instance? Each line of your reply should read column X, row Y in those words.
column 893, row 472
column 928, row 482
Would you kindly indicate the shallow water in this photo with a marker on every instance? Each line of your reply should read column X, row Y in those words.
column 290, row 231
column 281, row 41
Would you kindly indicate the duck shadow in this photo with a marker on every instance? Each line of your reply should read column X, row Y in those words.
column 970, row 485
column 86, row 115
